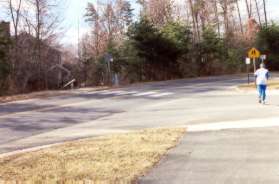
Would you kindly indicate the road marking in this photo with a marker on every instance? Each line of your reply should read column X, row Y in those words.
column 145, row 93
column 119, row 92
column 131, row 92
column 161, row 95
column 242, row 124
column 136, row 93
column 105, row 92
column 125, row 92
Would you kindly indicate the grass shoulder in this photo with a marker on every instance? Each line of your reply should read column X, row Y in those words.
column 118, row 158
column 272, row 84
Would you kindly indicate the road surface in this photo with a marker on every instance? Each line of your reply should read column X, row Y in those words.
column 211, row 151
column 163, row 104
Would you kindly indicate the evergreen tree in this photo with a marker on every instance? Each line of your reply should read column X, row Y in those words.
column 4, row 64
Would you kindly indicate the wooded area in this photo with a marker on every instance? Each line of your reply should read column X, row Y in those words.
column 168, row 40
column 29, row 42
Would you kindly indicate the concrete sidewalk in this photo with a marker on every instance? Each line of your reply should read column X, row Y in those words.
column 231, row 156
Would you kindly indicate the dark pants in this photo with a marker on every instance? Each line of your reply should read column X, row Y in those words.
column 262, row 92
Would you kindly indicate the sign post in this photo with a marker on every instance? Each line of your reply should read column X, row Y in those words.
column 248, row 62
column 109, row 60
column 254, row 54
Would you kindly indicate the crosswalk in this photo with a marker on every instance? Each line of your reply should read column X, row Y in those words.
column 148, row 94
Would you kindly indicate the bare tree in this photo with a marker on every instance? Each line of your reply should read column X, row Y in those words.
column 195, row 21
column 94, row 17
column 159, row 11
column 265, row 14
column 239, row 17
column 43, row 23
column 108, row 22
column 258, row 12
column 216, row 12
column 15, row 13
column 248, row 8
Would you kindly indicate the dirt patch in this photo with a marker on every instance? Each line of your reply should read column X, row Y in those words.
column 108, row 159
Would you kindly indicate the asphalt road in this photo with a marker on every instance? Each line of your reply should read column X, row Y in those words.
column 127, row 108
column 230, row 139
column 163, row 104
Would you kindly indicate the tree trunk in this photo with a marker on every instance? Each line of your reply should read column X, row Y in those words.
column 248, row 9
column 194, row 21
column 239, row 17
column 258, row 13
column 217, row 17
column 15, row 16
column 38, row 40
column 265, row 14
column 226, row 18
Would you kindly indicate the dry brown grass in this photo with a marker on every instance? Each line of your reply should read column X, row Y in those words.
column 274, row 84
column 109, row 159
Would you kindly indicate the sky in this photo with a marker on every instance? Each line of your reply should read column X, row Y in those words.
column 74, row 21
column 76, row 10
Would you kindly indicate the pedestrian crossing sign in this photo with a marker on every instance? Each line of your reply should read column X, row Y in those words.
column 254, row 53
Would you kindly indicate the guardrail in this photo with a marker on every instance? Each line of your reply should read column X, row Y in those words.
column 71, row 83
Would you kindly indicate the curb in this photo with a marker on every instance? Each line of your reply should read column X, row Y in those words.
column 38, row 148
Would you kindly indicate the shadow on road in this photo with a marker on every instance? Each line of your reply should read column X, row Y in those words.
column 40, row 122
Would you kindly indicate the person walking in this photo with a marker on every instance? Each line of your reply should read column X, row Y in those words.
column 262, row 76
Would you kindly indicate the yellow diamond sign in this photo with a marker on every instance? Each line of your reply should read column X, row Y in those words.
column 254, row 53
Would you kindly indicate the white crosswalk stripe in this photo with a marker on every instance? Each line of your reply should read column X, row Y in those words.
column 145, row 93
column 106, row 92
column 126, row 92
column 152, row 94
column 161, row 95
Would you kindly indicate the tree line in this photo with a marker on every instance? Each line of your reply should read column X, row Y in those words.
column 165, row 40
column 169, row 39
column 30, row 41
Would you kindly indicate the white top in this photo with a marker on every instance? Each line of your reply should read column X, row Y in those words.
column 262, row 76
